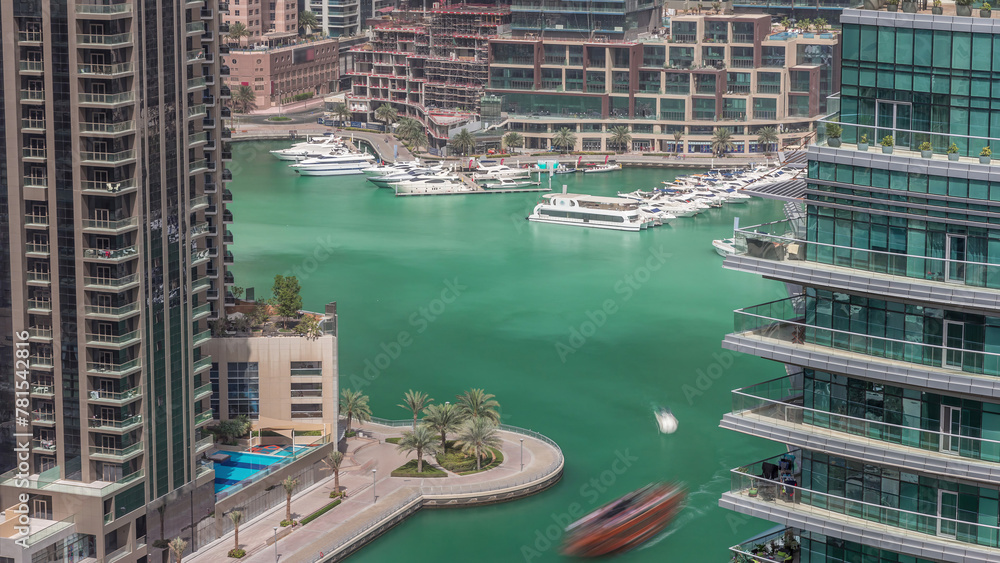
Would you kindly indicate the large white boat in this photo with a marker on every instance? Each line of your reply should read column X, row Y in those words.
column 340, row 165
column 602, row 168
column 500, row 171
column 408, row 176
column 615, row 213
column 394, row 168
column 313, row 147
column 724, row 247
column 431, row 186
column 510, row 184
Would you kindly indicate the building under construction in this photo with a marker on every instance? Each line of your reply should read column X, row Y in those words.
column 431, row 65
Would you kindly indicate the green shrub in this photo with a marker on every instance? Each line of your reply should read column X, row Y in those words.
column 925, row 146
column 237, row 553
column 409, row 469
column 287, row 523
column 320, row 512
column 392, row 440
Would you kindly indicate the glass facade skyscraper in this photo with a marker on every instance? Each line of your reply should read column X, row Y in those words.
column 889, row 409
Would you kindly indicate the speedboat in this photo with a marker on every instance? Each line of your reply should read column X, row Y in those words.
column 725, row 246
column 659, row 216
column 602, row 168
column 614, row 213
column 313, row 147
column 509, row 184
column 625, row 523
column 666, row 421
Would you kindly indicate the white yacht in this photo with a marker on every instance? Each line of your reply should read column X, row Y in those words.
column 431, row 186
column 602, row 168
column 313, row 147
column 394, row 168
column 724, row 247
column 499, row 171
column 334, row 165
column 615, row 213
column 411, row 176
column 510, row 183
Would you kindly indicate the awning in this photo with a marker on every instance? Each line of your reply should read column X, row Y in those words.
column 286, row 427
column 386, row 10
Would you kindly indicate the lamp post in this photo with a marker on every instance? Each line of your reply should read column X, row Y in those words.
column 522, row 454
column 374, row 496
column 275, row 544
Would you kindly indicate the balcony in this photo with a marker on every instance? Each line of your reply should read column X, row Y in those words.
column 37, row 248
column 224, row 70
column 110, row 425
column 33, row 152
column 103, row 9
column 36, row 221
column 112, row 158
column 196, row 138
column 227, row 175
column 204, row 444
column 208, row 123
column 201, row 311
column 43, row 417
column 777, row 250
column 227, row 195
column 44, row 362
column 110, row 283
column 196, row 82
column 229, row 257
column 115, row 397
column 227, row 215
column 117, row 313
column 203, row 336
column 29, row 36
column 115, row 40
column 195, row 55
column 223, row 49
column 30, row 66
column 743, row 38
column 763, row 88
column 930, row 527
column 107, row 99
column 38, row 306
column 38, row 277
column 195, row 27
column 105, row 70
column 113, row 340
column 36, row 182
column 196, row 110
column 203, row 418
column 203, row 364
column 200, row 228
column 227, row 134
column 114, row 370
column 44, row 391
column 766, row 115
column 198, row 166
column 116, row 454
column 203, row 392
column 200, row 257
column 117, row 226
column 210, row 80
column 108, row 128
column 200, row 284
column 43, row 333
column 227, row 237
column 33, row 95
column 44, row 446
column 684, row 38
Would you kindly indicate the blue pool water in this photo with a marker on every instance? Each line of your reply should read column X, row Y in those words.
column 240, row 466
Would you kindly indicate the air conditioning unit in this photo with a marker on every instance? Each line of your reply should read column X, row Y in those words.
column 559, row 26
column 619, row 29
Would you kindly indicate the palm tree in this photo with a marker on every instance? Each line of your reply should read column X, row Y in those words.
column 477, row 437
column 513, row 139
column 236, row 516
column 386, row 114
column 415, row 401
column 307, row 21
column 564, row 139
column 444, row 418
column 354, row 406
column 785, row 23
column 335, row 459
column 620, row 137
column 820, row 24
column 244, row 99
column 677, row 142
column 767, row 137
column 177, row 547
column 477, row 403
column 341, row 112
column 237, row 31
column 722, row 141
column 289, row 484
column 464, row 142
column 422, row 440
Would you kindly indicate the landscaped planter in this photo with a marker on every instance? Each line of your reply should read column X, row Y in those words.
column 953, row 156
column 910, row 7
column 863, row 147
column 833, row 142
column 963, row 10
column 986, row 13
column 892, row 7
column 926, row 154
column 985, row 159
column 937, row 10
column 886, row 150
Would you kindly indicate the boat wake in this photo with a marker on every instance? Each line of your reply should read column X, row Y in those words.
column 696, row 505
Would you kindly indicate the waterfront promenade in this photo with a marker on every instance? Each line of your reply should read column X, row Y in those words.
column 376, row 501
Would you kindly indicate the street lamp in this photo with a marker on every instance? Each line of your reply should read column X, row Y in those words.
column 522, row 454
column 374, row 496
column 275, row 544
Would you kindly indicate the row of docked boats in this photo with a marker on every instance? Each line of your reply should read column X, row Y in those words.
column 325, row 156
column 413, row 177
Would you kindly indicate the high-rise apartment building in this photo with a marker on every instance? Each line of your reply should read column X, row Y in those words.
column 889, row 410
column 114, row 261
column 265, row 20
column 346, row 18
column 585, row 20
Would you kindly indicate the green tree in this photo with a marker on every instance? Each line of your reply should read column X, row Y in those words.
column 477, row 403
column 443, row 419
column 410, row 131
column 229, row 430
column 307, row 21
column 237, row 31
column 309, row 327
column 766, row 138
column 564, row 139
column 335, row 459
column 289, row 485
column 513, row 139
column 287, row 296
column 177, row 547
column 421, row 440
column 340, row 112
column 820, row 24
column 244, row 100
column 722, row 141
column 386, row 114
column 236, row 516
column 620, row 138
column 678, row 137
column 415, row 401
column 259, row 314
column 785, row 23
column 476, row 437
column 464, row 142
column 354, row 406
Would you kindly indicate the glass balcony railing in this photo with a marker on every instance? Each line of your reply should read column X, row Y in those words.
column 203, row 391
column 107, row 99
column 204, row 444
column 43, row 305
column 30, row 66
column 38, row 276
column 42, row 361
column 109, row 254
column 103, row 368
column 116, row 339
column 203, row 336
column 112, row 187
column 44, row 445
column 110, row 225
column 196, row 82
column 202, row 309
column 105, row 40
column 42, row 390
column 779, row 242
column 117, row 396
column 203, row 363
column 116, row 452
column 780, row 402
column 195, row 110
column 107, row 157
column 37, row 248
column 203, row 418
column 118, row 127
column 32, row 95
column 104, row 8
column 110, row 282
column 195, row 27
column 104, row 424
column 107, row 311
column 105, row 69
column 784, row 321
column 39, row 416
column 950, row 523
column 200, row 284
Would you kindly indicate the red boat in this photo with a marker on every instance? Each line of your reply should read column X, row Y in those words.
column 625, row 523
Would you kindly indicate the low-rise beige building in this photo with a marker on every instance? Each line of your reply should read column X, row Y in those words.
column 282, row 72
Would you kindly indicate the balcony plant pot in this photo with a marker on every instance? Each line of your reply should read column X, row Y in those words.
column 886, row 150
column 892, row 7
column 953, row 156
column 863, row 147
column 872, row 4
column 985, row 159
column 937, row 10
column 910, row 7
column 986, row 13
column 926, row 154
column 961, row 10
column 833, row 142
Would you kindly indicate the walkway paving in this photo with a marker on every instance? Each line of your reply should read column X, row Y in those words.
column 304, row 544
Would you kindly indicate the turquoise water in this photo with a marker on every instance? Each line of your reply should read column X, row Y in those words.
column 240, row 466
column 526, row 318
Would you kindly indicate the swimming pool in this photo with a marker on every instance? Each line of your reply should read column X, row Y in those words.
column 240, row 466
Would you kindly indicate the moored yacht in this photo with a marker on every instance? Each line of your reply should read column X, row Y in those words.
column 614, row 213
column 333, row 165
column 313, row 147
column 602, row 168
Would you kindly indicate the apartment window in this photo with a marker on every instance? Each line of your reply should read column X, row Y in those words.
column 243, row 381
column 237, row 12
column 307, row 368
column 307, row 410
column 307, row 389
column 213, row 377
